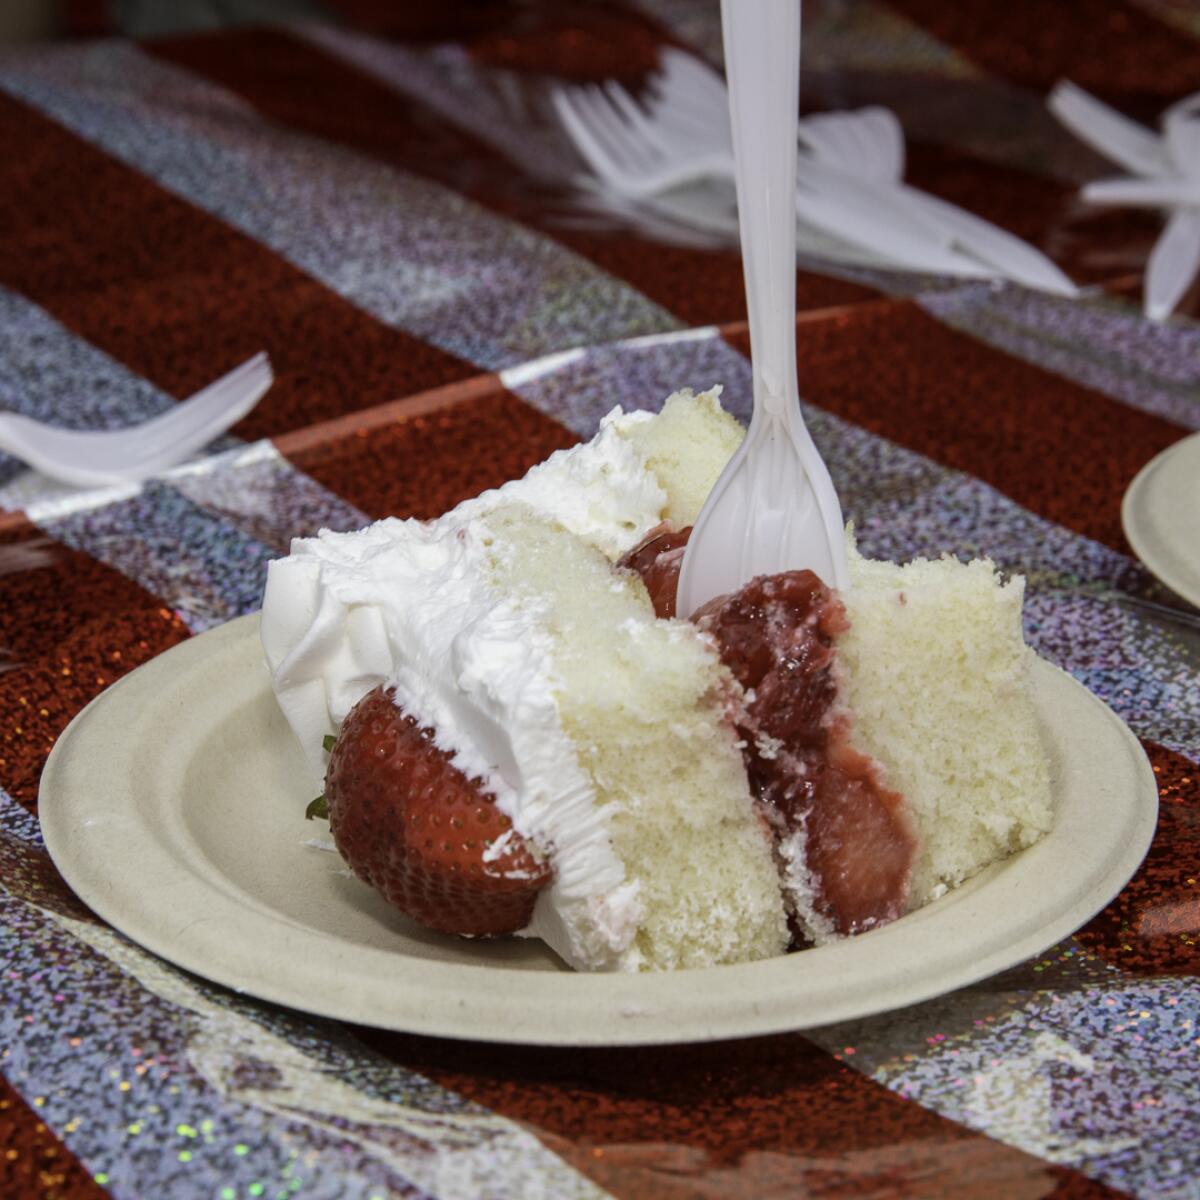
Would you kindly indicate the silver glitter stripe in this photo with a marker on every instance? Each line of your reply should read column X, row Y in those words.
column 17, row 823
column 1099, row 342
column 199, row 537
column 50, row 373
column 415, row 255
column 260, row 493
column 175, row 1087
column 196, row 562
column 1064, row 1057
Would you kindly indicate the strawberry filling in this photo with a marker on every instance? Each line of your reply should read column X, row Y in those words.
column 657, row 560
column 777, row 636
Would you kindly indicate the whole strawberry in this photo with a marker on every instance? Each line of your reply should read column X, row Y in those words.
column 413, row 826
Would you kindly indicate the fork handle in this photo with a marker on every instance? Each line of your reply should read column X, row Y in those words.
column 762, row 61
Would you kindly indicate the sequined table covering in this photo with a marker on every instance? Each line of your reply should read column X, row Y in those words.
column 383, row 203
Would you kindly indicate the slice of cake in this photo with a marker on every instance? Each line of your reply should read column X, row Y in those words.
column 643, row 792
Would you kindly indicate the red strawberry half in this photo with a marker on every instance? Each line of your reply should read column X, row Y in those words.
column 413, row 826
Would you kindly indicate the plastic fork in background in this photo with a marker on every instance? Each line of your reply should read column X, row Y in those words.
column 687, row 94
column 642, row 154
column 97, row 458
column 1164, row 173
column 849, row 186
column 840, row 150
column 774, row 507
column 640, row 159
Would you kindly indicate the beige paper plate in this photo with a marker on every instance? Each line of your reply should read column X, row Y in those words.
column 1161, row 516
column 173, row 806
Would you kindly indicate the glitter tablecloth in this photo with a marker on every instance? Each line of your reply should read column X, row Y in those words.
column 384, row 204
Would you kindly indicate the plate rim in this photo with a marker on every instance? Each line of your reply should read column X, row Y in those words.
column 635, row 996
column 1141, row 539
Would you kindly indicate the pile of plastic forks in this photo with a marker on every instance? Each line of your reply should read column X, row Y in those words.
column 850, row 182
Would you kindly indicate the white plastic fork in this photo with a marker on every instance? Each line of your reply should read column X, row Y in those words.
column 852, row 166
column 774, row 507
column 1164, row 173
column 689, row 96
column 850, row 186
column 643, row 154
column 97, row 458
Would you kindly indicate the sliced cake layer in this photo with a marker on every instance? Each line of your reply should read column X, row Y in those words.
column 644, row 704
column 935, row 671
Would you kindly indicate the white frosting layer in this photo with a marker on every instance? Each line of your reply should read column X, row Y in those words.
column 601, row 491
column 411, row 605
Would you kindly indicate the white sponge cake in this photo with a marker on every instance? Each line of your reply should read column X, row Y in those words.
column 935, row 671
column 685, row 447
column 643, row 703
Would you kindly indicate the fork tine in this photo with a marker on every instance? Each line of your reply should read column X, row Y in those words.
column 589, row 121
column 626, row 145
column 676, row 93
column 704, row 87
column 633, row 116
column 858, row 144
column 828, row 143
column 566, row 105
column 671, row 110
column 594, row 114
column 164, row 445
column 685, row 129
column 214, row 398
column 882, row 130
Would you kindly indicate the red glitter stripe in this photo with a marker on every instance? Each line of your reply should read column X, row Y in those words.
column 34, row 1164
column 1059, row 449
column 579, row 39
column 422, row 455
column 69, row 626
column 764, row 1117
column 87, row 18
column 1153, row 926
column 299, row 85
column 1114, row 49
column 177, row 295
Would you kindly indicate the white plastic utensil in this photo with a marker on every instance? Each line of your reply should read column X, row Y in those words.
column 1165, row 173
column 97, row 458
column 850, row 186
column 865, row 147
column 774, row 507
column 644, row 155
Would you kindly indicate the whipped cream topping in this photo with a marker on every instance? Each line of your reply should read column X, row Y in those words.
column 411, row 605
column 601, row 491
